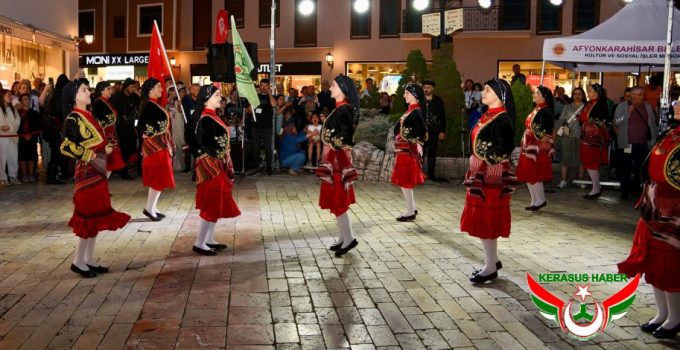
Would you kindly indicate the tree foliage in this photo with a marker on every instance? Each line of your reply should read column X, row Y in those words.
column 524, row 104
column 416, row 71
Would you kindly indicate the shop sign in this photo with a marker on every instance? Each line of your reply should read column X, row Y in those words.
column 119, row 72
column 52, row 41
column 642, row 52
column 293, row 68
column 16, row 31
column 113, row 60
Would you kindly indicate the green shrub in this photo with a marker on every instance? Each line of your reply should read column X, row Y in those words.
column 445, row 74
column 373, row 128
column 524, row 104
column 416, row 71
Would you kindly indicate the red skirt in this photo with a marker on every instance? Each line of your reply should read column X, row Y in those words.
column 114, row 161
column 407, row 171
column 533, row 171
column 592, row 157
column 93, row 212
column 487, row 218
column 656, row 259
column 335, row 197
column 157, row 171
column 214, row 200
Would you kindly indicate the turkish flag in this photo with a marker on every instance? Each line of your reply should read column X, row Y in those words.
column 159, row 66
column 222, row 27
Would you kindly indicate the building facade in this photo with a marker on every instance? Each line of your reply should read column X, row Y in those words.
column 372, row 44
column 38, row 39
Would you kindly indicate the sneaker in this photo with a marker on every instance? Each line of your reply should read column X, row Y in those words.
column 14, row 181
column 292, row 172
column 562, row 185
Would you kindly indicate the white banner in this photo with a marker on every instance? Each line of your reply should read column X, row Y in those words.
column 609, row 51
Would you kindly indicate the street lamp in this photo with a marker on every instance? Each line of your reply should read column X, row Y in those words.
column 329, row 59
column 361, row 6
column 556, row 2
column 306, row 7
column 485, row 4
column 420, row 5
column 89, row 39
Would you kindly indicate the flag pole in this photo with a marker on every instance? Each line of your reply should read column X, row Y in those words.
column 167, row 63
column 665, row 103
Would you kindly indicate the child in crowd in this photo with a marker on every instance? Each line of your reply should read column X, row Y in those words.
column 313, row 131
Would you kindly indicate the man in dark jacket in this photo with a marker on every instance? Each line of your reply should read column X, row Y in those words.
column 53, row 118
column 126, row 103
column 435, row 118
column 263, row 126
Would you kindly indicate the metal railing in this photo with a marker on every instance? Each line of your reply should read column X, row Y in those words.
column 475, row 19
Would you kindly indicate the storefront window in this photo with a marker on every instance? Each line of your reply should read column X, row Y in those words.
column 554, row 75
column 385, row 75
column 21, row 59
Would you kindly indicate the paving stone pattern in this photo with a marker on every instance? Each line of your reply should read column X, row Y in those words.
column 278, row 287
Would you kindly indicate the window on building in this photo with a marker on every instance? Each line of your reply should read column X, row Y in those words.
column 236, row 8
column 586, row 14
column 305, row 27
column 266, row 13
column 85, row 23
column 515, row 14
column 146, row 14
column 119, row 27
column 202, row 32
column 413, row 19
column 390, row 18
column 360, row 27
column 549, row 17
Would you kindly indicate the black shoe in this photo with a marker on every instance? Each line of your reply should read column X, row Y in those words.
column 478, row 278
column 592, row 196
column 54, row 182
column 416, row 212
column 406, row 218
column 538, row 207
column 83, row 273
column 209, row 252
column 531, row 207
column 217, row 246
column 650, row 327
column 126, row 176
column 663, row 333
column 335, row 247
column 269, row 172
column 499, row 265
column 160, row 215
column 342, row 251
column 98, row 269
column 148, row 215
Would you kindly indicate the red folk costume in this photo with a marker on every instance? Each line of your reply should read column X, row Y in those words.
column 535, row 164
column 214, row 169
column 660, row 212
column 157, row 147
column 106, row 115
column 84, row 141
column 490, row 180
column 595, row 137
column 409, row 137
column 336, row 171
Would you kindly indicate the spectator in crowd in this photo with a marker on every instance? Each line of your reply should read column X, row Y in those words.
column 293, row 97
column 117, row 86
column 36, row 86
column 15, row 89
column 9, row 126
column 262, row 126
column 25, row 88
column 28, row 139
column 324, row 97
column 290, row 153
column 652, row 93
column 568, row 132
column 189, row 103
column 385, row 103
column 518, row 75
column 369, row 90
column 126, row 102
column 280, row 107
column 309, row 102
column 626, row 95
column 435, row 120
column 313, row 132
column 177, row 123
column 561, row 100
column 635, row 130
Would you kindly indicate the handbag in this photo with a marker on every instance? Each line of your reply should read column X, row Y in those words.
column 564, row 129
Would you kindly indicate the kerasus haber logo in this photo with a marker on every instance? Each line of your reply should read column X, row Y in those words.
column 584, row 324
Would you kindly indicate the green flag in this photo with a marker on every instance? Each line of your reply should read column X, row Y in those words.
column 243, row 65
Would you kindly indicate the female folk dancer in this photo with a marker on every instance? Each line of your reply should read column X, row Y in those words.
column 595, row 137
column 157, row 147
column 490, row 180
column 409, row 134
column 214, row 171
column 535, row 163
column 106, row 115
column 656, row 244
column 336, row 170
column 84, row 140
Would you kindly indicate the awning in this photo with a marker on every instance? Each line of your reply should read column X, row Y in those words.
column 37, row 36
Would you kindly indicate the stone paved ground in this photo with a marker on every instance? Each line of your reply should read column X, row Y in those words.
column 405, row 286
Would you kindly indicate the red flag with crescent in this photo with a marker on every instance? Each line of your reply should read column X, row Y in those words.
column 222, row 27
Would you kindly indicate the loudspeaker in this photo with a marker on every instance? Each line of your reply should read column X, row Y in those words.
column 252, row 52
column 221, row 63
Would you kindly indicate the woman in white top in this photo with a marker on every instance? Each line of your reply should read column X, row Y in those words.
column 9, row 146
column 313, row 132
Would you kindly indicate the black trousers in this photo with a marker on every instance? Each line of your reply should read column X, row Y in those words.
column 262, row 137
column 431, row 153
column 628, row 168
